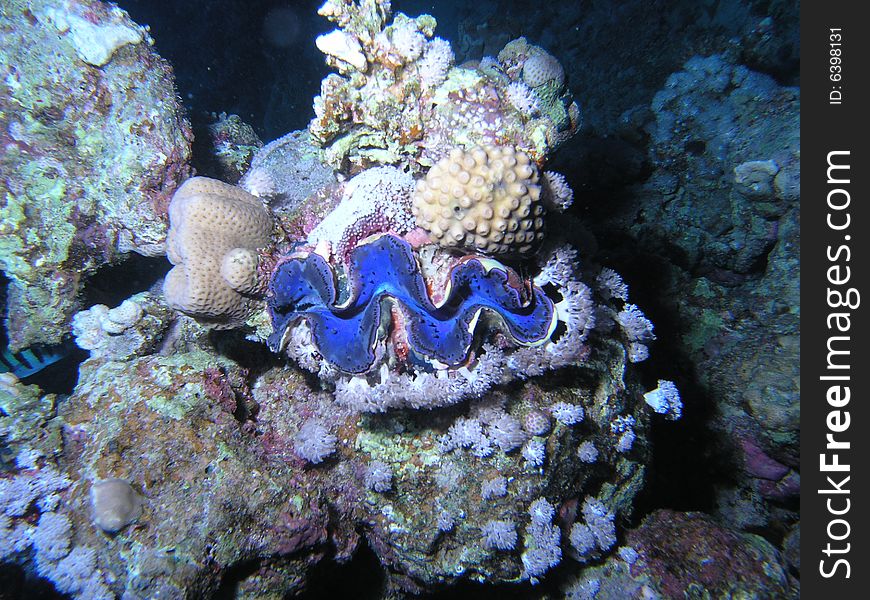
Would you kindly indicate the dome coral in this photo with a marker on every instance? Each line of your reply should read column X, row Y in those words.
column 214, row 230
column 487, row 199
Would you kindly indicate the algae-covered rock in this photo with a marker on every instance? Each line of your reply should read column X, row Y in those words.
column 212, row 450
column 94, row 145
column 687, row 555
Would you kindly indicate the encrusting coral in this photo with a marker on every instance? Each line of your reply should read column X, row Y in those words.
column 131, row 329
column 486, row 199
column 375, row 201
column 215, row 230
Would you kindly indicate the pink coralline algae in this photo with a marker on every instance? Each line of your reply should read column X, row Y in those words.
column 375, row 201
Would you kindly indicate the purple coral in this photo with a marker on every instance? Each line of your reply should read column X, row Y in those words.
column 638, row 329
column 541, row 511
column 72, row 573
column 600, row 522
column 626, row 441
column 611, row 285
column 566, row 413
column 506, row 432
column 543, row 551
column 558, row 194
column 535, row 451
column 52, row 536
column 464, row 433
column 581, row 539
column 665, row 399
column 493, row 488
column 32, row 484
column 587, row 452
column 378, row 476
column 499, row 535
column 623, row 425
column 314, row 442
column 445, row 521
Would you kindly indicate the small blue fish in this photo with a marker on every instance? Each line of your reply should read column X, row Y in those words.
column 31, row 360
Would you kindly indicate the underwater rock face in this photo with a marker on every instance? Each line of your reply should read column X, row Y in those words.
column 722, row 135
column 223, row 489
column 386, row 268
column 677, row 555
column 168, row 426
column 95, row 147
column 741, row 311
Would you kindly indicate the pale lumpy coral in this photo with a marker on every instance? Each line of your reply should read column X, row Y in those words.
column 215, row 230
column 487, row 198
column 542, row 68
column 114, row 504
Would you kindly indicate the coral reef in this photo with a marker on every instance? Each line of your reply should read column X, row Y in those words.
column 399, row 99
column 93, row 147
column 410, row 356
column 385, row 478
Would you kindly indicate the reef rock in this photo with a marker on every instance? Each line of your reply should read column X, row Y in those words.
column 94, row 145
column 679, row 555
column 221, row 489
column 714, row 219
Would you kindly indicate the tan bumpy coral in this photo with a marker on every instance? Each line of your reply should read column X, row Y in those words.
column 215, row 230
column 487, row 198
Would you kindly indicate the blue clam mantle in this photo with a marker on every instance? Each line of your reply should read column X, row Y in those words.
column 345, row 334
